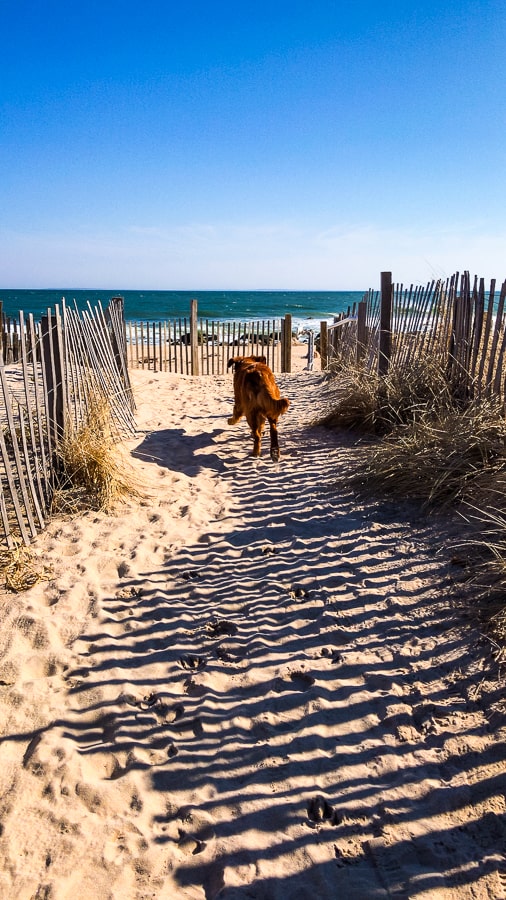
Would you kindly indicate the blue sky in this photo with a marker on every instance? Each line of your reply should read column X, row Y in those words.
column 249, row 145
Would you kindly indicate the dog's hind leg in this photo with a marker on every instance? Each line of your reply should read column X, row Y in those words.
column 273, row 428
column 256, row 421
column 236, row 415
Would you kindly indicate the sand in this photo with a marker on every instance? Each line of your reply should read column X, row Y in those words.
column 249, row 684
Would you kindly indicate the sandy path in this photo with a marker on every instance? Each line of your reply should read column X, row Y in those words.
column 247, row 686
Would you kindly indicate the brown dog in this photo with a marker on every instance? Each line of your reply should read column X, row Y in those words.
column 257, row 396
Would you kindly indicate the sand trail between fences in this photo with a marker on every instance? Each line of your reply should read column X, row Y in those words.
column 249, row 685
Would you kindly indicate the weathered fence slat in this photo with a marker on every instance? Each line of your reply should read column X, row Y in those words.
column 29, row 477
column 40, row 495
column 38, row 395
column 495, row 336
column 385, row 332
column 488, row 316
column 46, row 373
column 101, row 357
column 20, row 473
column 5, row 520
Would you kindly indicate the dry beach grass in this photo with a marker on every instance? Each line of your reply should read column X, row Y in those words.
column 440, row 450
column 248, row 683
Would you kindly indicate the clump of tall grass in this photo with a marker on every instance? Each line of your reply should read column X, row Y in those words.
column 367, row 402
column 435, row 447
column 487, row 549
column 440, row 449
column 451, row 453
column 92, row 473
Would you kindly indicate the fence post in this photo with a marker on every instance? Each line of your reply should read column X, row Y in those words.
column 361, row 331
column 310, row 351
column 324, row 345
column 53, row 367
column 385, row 333
column 288, row 343
column 194, row 337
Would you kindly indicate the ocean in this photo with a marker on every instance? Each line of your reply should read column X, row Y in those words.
column 307, row 308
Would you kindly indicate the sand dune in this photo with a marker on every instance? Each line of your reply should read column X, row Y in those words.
column 247, row 685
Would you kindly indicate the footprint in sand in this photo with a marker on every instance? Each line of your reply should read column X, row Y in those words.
column 332, row 654
column 197, row 727
column 89, row 797
column 34, row 632
column 193, row 688
column 190, row 575
column 175, row 713
column 301, row 681
column 319, row 810
column 297, row 592
column 297, row 681
column 127, row 593
column 219, row 627
column 224, row 654
column 395, row 865
column 190, row 661
column 149, row 701
column 195, row 830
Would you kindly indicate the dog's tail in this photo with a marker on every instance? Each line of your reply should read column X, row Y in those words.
column 281, row 405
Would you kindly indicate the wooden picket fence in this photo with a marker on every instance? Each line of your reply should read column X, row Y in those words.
column 197, row 346
column 456, row 321
column 63, row 363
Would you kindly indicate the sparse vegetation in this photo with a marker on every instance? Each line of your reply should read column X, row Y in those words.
column 363, row 401
column 91, row 471
column 439, row 450
column 21, row 568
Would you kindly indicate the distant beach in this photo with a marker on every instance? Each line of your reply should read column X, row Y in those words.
column 306, row 307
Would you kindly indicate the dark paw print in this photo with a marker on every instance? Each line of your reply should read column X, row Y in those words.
column 220, row 627
column 319, row 810
column 190, row 661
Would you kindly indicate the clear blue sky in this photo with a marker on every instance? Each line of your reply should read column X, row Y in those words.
column 266, row 144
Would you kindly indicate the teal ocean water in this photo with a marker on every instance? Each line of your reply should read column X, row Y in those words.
column 307, row 308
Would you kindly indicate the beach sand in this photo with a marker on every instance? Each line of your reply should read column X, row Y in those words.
column 249, row 683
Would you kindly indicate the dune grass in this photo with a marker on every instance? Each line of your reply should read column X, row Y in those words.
column 92, row 472
column 439, row 450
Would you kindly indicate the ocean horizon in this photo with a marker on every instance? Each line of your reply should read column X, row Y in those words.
column 305, row 307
